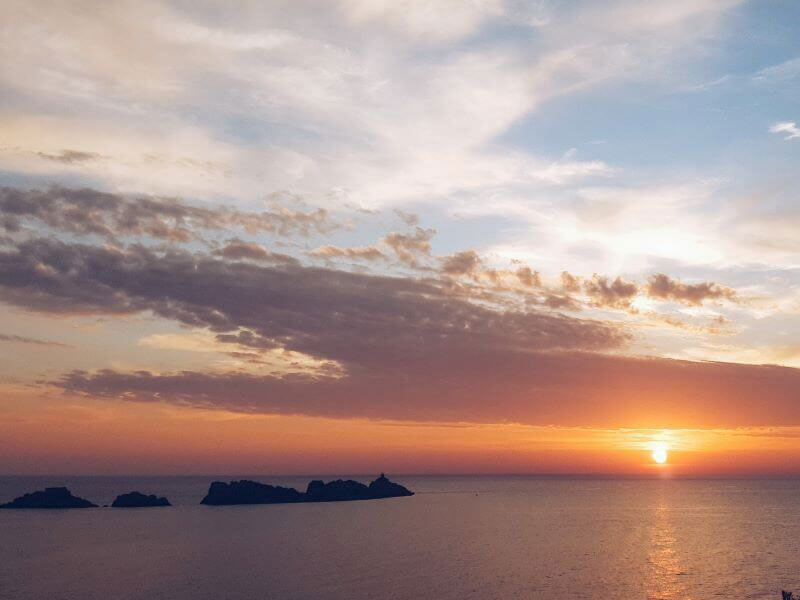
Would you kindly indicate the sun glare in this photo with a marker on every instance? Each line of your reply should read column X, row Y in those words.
column 660, row 452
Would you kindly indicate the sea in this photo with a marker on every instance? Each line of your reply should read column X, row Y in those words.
column 511, row 537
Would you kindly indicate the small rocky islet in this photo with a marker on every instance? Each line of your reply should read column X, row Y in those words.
column 138, row 500
column 226, row 494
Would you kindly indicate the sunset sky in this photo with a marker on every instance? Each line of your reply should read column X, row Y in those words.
column 434, row 236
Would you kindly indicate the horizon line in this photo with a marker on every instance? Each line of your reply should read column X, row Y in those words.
column 600, row 476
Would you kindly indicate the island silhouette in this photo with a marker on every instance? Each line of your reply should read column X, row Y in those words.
column 221, row 494
column 138, row 500
column 51, row 497
column 339, row 490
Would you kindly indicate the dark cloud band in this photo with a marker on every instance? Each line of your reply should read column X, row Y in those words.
column 90, row 212
column 540, row 388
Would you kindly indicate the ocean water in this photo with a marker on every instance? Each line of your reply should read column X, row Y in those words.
column 458, row 538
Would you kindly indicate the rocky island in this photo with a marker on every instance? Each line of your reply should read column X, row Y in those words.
column 249, row 492
column 223, row 494
column 252, row 492
column 138, row 500
column 52, row 497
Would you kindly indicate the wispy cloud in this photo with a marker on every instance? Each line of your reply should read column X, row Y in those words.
column 780, row 72
column 19, row 339
column 87, row 211
column 568, row 169
column 69, row 157
column 319, row 108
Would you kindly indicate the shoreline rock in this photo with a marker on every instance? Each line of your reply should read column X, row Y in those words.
column 138, row 500
column 51, row 497
column 339, row 490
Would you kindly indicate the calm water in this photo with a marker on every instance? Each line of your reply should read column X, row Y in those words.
column 459, row 537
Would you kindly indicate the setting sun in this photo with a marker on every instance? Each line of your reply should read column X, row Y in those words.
column 660, row 453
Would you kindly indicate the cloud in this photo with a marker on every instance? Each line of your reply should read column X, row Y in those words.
column 561, row 301
column 410, row 247
column 780, row 72
column 355, row 319
column 324, row 341
column 612, row 294
column 236, row 249
column 540, row 389
column 528, row 277
column 273, row 361
column 18, row 339
column 86, row 211
column 410, row 219
column 466, row 262
column 300, row 96
column 381, row 347
column 432, row 21
column 117, row 217
column 665, row 288
column 568, row 170
column 569, row 282
column 362, row 253
column 69, row 157
column 788, row 127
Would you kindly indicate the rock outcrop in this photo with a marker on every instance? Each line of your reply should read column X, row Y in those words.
column 383, row 488
column 336, row 491
column 52, row 497
column 138, row 500
column 249, row 492
column 340, row 490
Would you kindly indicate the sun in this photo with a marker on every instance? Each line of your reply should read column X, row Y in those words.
column 660, row 452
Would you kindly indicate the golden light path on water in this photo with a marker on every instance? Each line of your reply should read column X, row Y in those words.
column 665, row 575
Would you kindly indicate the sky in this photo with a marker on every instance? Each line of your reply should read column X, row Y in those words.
column 439, row 236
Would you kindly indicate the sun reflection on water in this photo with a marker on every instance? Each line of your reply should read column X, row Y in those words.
column 664, row 581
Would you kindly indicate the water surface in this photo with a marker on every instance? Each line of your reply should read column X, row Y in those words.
column 459, row 537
